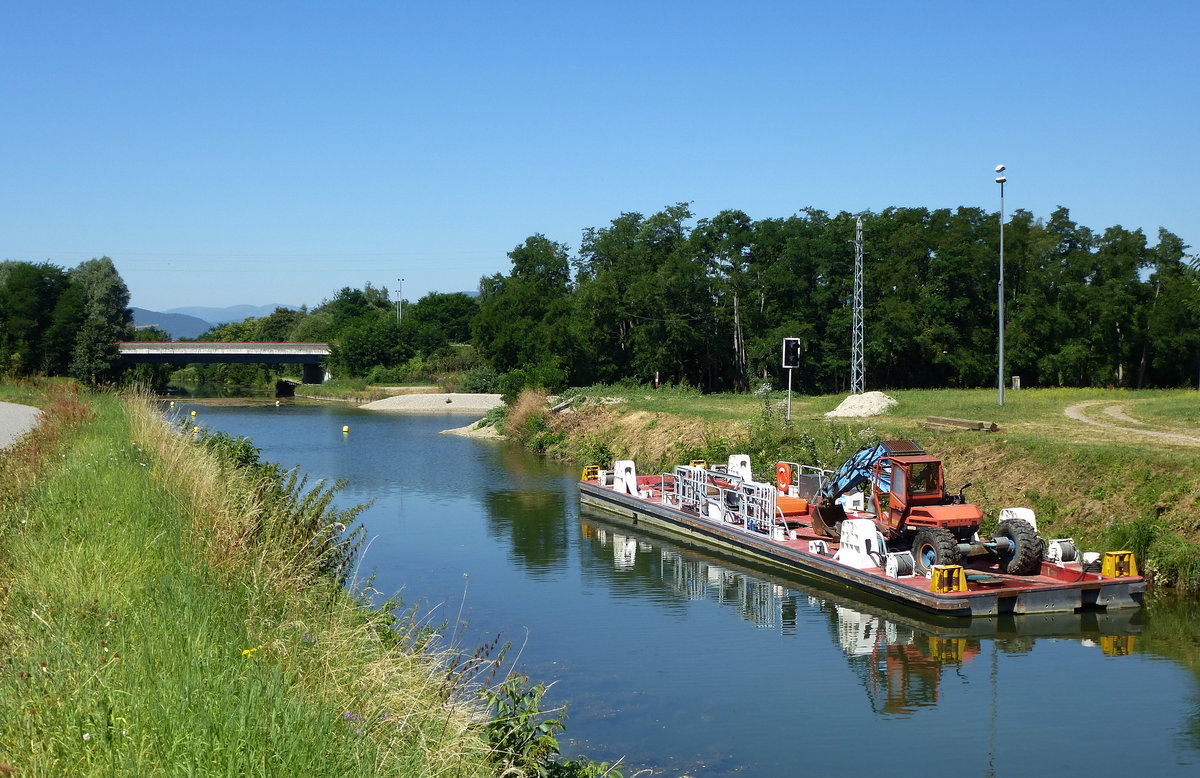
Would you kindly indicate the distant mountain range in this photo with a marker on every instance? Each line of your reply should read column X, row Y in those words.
column 190, row 322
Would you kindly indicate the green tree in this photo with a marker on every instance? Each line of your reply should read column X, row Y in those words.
column 449, row 314
column 523, row 319
column 29, row 296
column 107, row 320
column 277, row 327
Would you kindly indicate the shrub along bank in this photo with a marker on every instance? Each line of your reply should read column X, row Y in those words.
column 172, row 606
column 1104, row 487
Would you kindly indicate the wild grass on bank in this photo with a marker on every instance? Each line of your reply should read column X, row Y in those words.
column 349, row 389
column 148, row 628
column 171, row 605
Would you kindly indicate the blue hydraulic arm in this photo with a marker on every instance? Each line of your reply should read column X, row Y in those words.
column 855, row 470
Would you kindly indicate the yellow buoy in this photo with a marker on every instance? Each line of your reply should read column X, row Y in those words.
column 195, row 430
column 346, row 428
column 193, row 414
column 172, row 403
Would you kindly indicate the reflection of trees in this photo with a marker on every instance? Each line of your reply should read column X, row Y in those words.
column 531, row 520
column 1173, row 630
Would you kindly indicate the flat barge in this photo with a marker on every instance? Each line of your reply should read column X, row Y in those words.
column 725, row 508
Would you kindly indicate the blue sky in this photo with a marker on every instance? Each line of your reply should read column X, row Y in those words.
column 263, row 152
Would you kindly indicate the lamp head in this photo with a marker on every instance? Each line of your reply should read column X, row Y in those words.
column 1000, row 168
column 1000, row 179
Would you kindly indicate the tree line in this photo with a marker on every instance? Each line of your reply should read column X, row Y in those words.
column 63, row 322
column 706, row 303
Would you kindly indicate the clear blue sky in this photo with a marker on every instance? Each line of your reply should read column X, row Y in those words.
column 262, row 152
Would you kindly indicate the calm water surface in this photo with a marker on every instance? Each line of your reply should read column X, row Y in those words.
column 699, row 665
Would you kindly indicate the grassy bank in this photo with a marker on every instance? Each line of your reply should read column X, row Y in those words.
column 353, row 390
column 166, row 609
column 1103, row 486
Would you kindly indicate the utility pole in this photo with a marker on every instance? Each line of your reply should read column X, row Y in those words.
column 1001, row 179
column 856, row 330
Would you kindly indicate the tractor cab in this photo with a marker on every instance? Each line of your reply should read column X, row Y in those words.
column 907, row 492
column 902, row 482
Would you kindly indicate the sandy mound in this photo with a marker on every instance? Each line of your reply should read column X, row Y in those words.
column 859, row 405
column 471, row 431
column 437, row 403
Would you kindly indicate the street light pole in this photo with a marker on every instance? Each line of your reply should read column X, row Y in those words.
column 400, row 301
column 1001, row 179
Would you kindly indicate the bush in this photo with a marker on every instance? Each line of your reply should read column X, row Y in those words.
column 481, row 380
column 511, row 385
column 386, row 376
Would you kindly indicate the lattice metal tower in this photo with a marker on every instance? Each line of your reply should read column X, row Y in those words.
column 856, row 334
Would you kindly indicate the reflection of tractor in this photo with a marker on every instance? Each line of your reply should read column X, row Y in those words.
column 899, row 665
column 913, row 510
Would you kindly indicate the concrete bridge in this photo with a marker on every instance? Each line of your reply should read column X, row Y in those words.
column 309, row 355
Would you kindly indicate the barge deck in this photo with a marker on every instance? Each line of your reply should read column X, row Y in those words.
column 789, row 541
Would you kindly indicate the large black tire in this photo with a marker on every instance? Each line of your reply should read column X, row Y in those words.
column 933, row 546
column 1025, row 558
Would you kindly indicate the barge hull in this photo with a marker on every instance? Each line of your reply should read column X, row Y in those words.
column 1038, row 594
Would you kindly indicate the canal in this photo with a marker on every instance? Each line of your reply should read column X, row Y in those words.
column 694, row 664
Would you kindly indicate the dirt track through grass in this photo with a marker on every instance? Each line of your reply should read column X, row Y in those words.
column 1116, row 412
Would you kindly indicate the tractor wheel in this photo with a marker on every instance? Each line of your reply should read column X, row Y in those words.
column 1025, row 558
column 933, row 546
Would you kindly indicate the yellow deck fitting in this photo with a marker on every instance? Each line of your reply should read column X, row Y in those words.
column 1118, row 564
column 591, row 472
column 947, row 578
column 951, row 650
column 700, row 463
column 1116, row 645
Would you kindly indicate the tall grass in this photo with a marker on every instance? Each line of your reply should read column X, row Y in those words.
column 165, row 613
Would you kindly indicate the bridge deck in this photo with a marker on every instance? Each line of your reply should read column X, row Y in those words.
column 184, row 352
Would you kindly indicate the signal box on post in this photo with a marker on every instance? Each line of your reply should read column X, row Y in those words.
column 791, row 352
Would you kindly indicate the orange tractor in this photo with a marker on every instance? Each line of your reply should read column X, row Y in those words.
column 912, row 509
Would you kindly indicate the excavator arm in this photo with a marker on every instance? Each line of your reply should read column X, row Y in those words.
column 855, row 470
column 862, row 466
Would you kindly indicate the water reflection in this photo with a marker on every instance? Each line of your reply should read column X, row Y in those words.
column 530, row 520
column 899, row 656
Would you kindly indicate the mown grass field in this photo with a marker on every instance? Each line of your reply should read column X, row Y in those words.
column 1110, row 486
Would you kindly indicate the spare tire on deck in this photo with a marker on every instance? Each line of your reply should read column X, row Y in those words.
column 1025, row 558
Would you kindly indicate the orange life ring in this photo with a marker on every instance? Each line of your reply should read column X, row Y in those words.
column 783, row 476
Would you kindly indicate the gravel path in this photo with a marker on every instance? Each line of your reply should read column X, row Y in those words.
column 437, row 403
column 15, row 421
column 1115, row 411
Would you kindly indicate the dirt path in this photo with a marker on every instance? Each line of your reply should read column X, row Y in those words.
column 15, row 421
column 1117, row 413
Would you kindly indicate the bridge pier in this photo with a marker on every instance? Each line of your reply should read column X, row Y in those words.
column 313, row 373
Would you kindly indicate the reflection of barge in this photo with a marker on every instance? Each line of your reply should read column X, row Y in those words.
column 898, row 653
column 724, row 507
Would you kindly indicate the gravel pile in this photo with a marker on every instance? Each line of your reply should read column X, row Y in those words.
column 437, row 403
column 860, row 405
